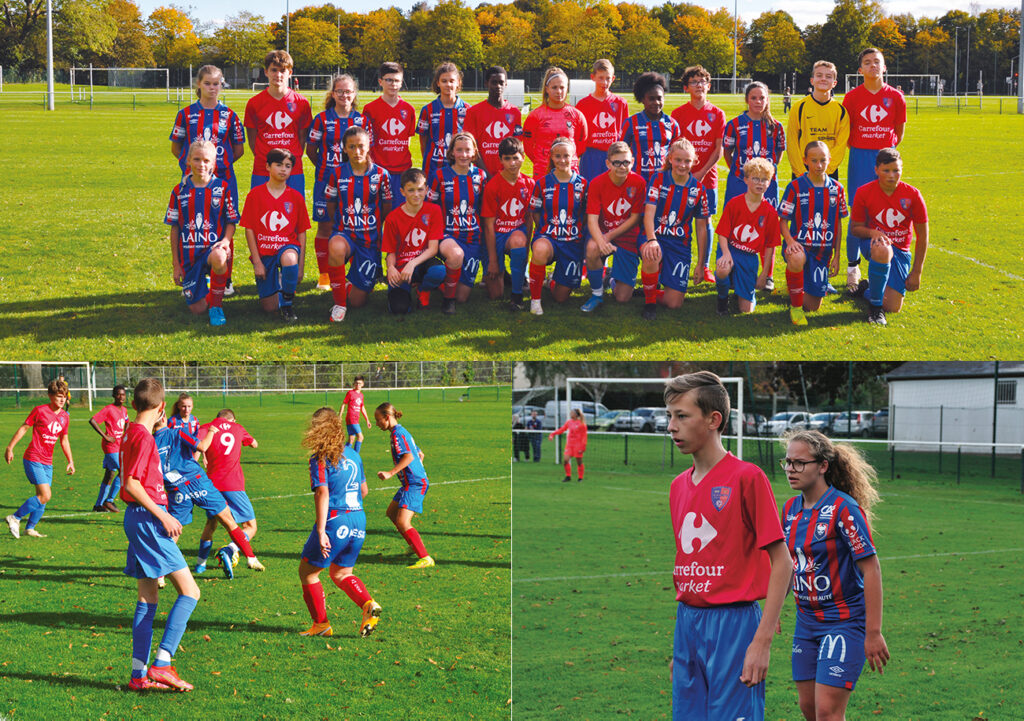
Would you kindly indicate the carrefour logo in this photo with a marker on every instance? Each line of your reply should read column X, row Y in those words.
column 604, row 120
column 498, row 129
column 890, row 217
column 512, row 208
column 698, row 128
column 274, row 220
column 618, row 208
column 55, row 427
column 416, row 237
column 874, row 113
column 746, row 233
column 279, row 120
column 693, row 538
column 393, row 126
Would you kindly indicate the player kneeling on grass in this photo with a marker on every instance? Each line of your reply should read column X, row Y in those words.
column 615, row 203
column 748, row 228
column 812, row 209
column 202, row 216
column 507, row 223
column 152, row 551
column 674, row 199
column 412, row 232
column 276, row 221
column 884, row 212
column 339, row 485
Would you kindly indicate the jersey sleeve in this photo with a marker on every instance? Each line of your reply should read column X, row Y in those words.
column 726, row 222
column 403, row 443
column 305, row 117
column 859, row 213
column 489, row 205
column 593, row 201
column 702, row 209
column 247, row 439
column 251, row 110
column 529, row 128
column 780, row 142
column 580, row 134
column 317, row 473
column 772, row 229
column 236, row 133
column 435, row 231
column 729, row 135
column 251, row 210
column 136, row 457
column 918, row 209
column 654, row 189
column 787, row 206
column 854, row 531
column 842, row 140
column 760, row 510
column 302, row 223
column 844, row 212
column 537, row 198
column 180, row 129
column 385, row 186
column 171, row 217
column 627, row 132
column 423, row 125
column 316, row 129
column 434, row 194
column 675, row 130
column 796, row 160
column 331, row 188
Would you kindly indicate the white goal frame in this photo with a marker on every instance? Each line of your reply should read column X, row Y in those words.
column 726, row 80
column 91, row 70
column 89, row 388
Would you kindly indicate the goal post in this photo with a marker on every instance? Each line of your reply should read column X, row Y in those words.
column 21, row 380
column 117, row 80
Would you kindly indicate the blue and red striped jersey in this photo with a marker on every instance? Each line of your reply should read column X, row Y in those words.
column 814, row 213
column 176, row 446
column 562, row 207
column 439, row 124
column 825, row 542
column 201, row 214
column 325, row 134
column 191, row 424
column 752, row 139
column 413, row 474
column 649, row 140
column 219, row 125
column 360, row 200
column 343, row 480
column 675, row 206
column 460, row 197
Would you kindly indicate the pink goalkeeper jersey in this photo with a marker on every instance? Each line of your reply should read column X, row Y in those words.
column 722, row 526
column 48, row 427
column 224, row 456
column 354, row 401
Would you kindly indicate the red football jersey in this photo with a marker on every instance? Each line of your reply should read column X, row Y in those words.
column 614, row 204
column 874, row 116
column 746, row 230
column 223, row 457
column 141, row 460
column 507, row 202
column 722, row 526
column 48, row 427
column 354, row 401
column 489, row 126
column 276, row 222
column 894, row 215
column 114, row 419
column 541, row 128
column 280, row 123
column 703, row 128
column 605, row 119
column 406, row 236
column 390, row 129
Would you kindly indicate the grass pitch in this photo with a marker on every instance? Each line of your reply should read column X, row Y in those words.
column 594, row 608
column 442, row 646
column 86, row 258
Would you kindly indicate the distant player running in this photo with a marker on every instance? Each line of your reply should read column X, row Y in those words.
column 575, row 443
column 339, row 485
column 110, row 423
column 49, row 426
column 408, row 501
column 356, row 407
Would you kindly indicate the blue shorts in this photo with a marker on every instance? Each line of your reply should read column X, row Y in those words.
column 828, row 653
column 899, row 267
column 297, row 181
column 707, row 660
column 195, row 491
column 240, row 505
column 675, row 264
column 320, row 202
column 271, row 283
column 412, row 498
column 625, row 264
column 151, row 552
column 38, row 473
column 568, row 260
column 347, row 531
column 353, row 429
column 112, row 461
column 734, row 186
column 816, row 273
column 193, row 282
column 744, row 272
column 500, row 243
column 363, row 262
column 592, row 164
column 860, row 170
column 470, row 262
column 396, row 189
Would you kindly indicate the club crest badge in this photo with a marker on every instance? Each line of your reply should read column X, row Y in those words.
column 820, row 529
column 288, row 207
column 720, row 496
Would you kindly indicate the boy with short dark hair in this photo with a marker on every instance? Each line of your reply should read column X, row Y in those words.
column 412, row 232
column 391, row 122
column 114, row 418
column 508, row 224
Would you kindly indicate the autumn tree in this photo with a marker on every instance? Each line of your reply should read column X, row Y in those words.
column 131, row 47
column 314, row 46
column 173, row 36
column 578, row 35
column 380, row 39
column 447, row 33
column 245, row 39
column 82, row 32
column 644, row 46
column 510, row 39
column 845, row 33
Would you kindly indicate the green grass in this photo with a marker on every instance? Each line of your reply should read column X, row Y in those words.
column 442, row 646
column 86, row 259
column 594, row 608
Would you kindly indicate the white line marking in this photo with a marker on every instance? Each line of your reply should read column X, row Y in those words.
column 978, row 262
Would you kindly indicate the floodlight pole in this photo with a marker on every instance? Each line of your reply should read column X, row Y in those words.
column 287, row 28
column 49, row 54
column 956, row 59
column 1020, row 64
column 736, row 39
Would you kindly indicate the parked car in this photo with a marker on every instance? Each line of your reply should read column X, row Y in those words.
column 787, row 421
column 606, row 421
column 880, row 423
column 822, row 422
column 661, row 421
column 591, row 411
column 753, row 423
column 642, row 420
column 524, row 411
column 854, row 423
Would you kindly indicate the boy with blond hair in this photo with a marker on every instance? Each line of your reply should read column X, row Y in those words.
column 818, row 116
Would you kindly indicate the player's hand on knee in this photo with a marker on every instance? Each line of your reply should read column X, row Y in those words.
column 258, row 269
column 724, row 264
column 913, row 281
column 394, row 277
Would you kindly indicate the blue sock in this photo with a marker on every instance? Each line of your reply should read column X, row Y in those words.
column 115, row 486
column 37, row 513
column 596, row 280
column 27, row 507
column 722, row 285
column 707, row 246
column 517, row 268
column 433, row 278
column 102, row 497
column 204, row 550
column 142, row 637
column 177, row 621
column 878, row 276
column 357, row 445
column 289, row 282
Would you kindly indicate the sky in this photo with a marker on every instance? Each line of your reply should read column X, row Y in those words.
column 804, row 12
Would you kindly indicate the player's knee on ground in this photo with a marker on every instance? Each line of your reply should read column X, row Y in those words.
column 892, row 301
column 623, row 292
column 561, row 293
column 270, row 303
column 746, row 306
column 198, row 307
column 337, row 250
column 357, row 298
column 673, row 299
column 811, row 302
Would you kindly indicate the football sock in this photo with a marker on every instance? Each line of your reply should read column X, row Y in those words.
column 432, row 279
column 313, row 595
column 852, row 249
column 35, row 515
column 412, row 537
column 722, row 286
column 579, row 471
column 650, row 281
column 218, row 281
column 536, row 280
column 177, row 621
column 355, row 590
column 424, row 299
column 596, row 280
column 241, row 541
column 115, row 486
column 451, row 279
column 339, row 286
column 142, row 637
column 568, row 469
column 204, row 551
column 27, row 507
column 517, row 267
column 289, row 282
column 320, row 247
column 707, row 244
column 357, row 445
column 878, row 276
column 102, row 497
column 795, row 284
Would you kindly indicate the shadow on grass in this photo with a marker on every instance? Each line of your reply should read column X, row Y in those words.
column 84, row 620
column 67, row 681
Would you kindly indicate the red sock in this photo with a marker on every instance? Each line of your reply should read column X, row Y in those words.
column 650, row 281
column 313, row 595
column 339, row 286
column 451, row 280
column 231, row 258
column 795, row 283
column 568, row 469
column 412, row 537
column 536, row 280
column 424, row 298
column 579, row 471
column 239, row 537
column 215, row 298
column 355, row 589
column 320, row 244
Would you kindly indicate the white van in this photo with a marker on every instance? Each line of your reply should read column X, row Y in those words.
column 590, row 410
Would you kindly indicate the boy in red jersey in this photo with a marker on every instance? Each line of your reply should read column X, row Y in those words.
column 49, row 424
column 113, row 418
column 412, row 232
column 507, row 223
column 276, row 221
column 605, row 114
column 492, row 120
column 152, row 551
column 278, row 117
column 615, row 203
column 356, row 406
column 391, row 122
column 883, row 215
column 730, row 552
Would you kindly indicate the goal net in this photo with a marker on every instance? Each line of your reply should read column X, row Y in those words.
column 302, row 83
column 723, row 85
column 909, row 84
column 23, row 384
column 89, row 80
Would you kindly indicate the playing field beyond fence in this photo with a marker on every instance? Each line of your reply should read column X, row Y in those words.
column 442, row 645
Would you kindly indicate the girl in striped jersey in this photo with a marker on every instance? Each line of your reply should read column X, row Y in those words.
column 441, row 119
column 837, row 581
column 324, row 149
column 650, row 132
column 753, row 134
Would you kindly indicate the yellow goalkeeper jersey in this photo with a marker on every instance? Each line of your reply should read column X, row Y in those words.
column 810, row 120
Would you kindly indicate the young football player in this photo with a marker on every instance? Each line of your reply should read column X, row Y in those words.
column 575, row 443
column 408, row 460
column 152, row 551
column 753, row 134
column 110, row 423
column 884, row 213
column 674, row 200
column 559, row 211
column 508, row 224
column 181, row 414
column 278, row 118
column 49, row 425
column 812, row 209
column 650, row 132
column 412, row 233
column 837, row 582
column 391, row 122
column 441, row 119
column 605, row 113
column 748, row 228
column 358, row 198
column 878, row 116
column 339, row 486
column 202, row 216
column 354, row 402
column 492, row 120
column 324, row 149
column 703, row 125
column 818, row 116
column 730, row 552
column 552, row 119
column 276, row 221
column 615, row 204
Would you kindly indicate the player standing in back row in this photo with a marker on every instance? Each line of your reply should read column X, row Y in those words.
column 391, row 121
